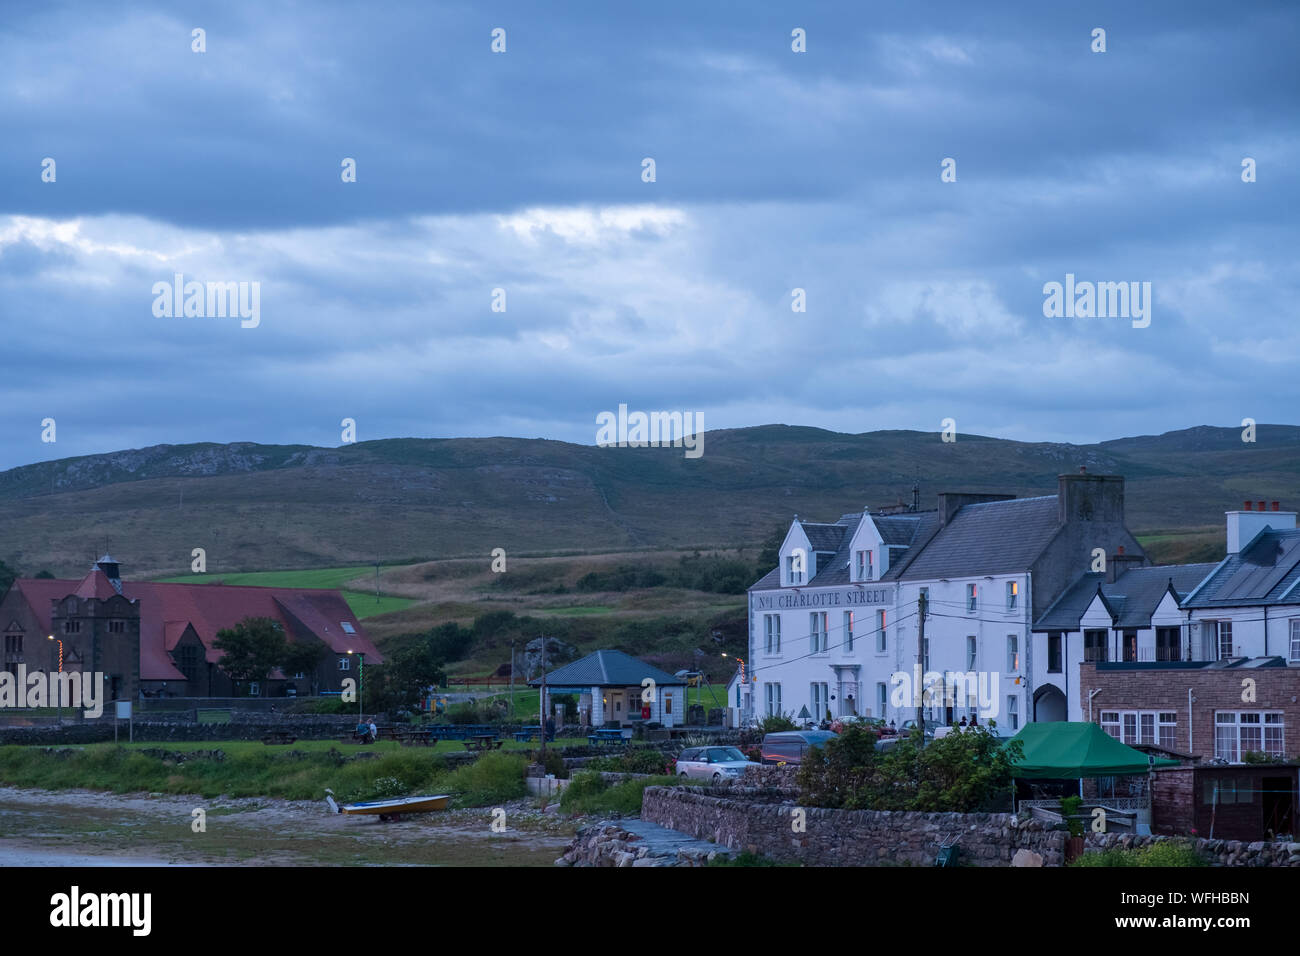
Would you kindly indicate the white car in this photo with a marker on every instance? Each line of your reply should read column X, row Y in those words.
column 713, row 763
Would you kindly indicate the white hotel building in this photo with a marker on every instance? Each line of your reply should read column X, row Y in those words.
column 838, row 618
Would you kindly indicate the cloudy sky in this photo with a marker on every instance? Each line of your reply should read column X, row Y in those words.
column 522, row 171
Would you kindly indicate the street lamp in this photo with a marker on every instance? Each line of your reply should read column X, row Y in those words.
column 59, row 711
column 361, row 674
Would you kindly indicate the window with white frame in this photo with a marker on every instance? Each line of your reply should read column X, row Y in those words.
column 882, row 642
column 882, row 698
column 1295, row 638
column 794, row 567
column 972, row 649
column 772, row 633
column 1237, row 733
column 1141, row 726
column 772, row 696
column 925, row 653
column 345, row 663
column 866, row 566
column 1013, row 712
column 1013, row 595
column 848, row 632
column 819, row 694
column 1224, row 629
column 972, row 599
column 817, row 640
column 1013, row 654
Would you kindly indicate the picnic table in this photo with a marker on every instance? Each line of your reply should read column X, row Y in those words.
column 483, row 742
column 420, row 738
column 606, row 735
column 524, row 736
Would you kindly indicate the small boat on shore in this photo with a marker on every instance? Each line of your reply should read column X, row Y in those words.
column 392, row 809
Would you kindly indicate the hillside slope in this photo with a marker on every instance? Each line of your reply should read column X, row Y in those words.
column 282, row 506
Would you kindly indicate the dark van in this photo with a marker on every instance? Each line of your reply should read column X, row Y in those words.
column 789, row 746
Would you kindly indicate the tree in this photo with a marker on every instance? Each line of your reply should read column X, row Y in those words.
column 7, row 577
column 302, row 657
column 965, row 772
column 251, row 649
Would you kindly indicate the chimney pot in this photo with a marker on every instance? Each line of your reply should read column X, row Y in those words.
column 1083, row 470
column 1277, row 506
column 1247, row 506
column 1121, row 549
column 1261, row 506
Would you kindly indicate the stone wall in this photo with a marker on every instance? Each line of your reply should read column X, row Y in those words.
column 1218, row 852
column 764, row 823
column 304, row 727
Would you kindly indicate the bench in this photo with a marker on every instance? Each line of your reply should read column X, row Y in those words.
column 608, row 736
column 277, row 737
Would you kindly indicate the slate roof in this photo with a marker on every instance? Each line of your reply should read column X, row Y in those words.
column 1265, row 571
column 607, row 669
column 991, row 537
column 823, row 537
column 166, row 609
column 1131, row 599
column 899, row 532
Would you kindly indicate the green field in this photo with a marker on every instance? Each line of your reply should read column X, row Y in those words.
column 363, row 604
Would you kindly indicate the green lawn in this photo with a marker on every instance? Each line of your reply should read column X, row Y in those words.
column 363, row 603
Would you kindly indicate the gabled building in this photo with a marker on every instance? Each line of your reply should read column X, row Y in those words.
column 1229, row 686
column 833, row 624
column 158, row 639
column 1128, row 613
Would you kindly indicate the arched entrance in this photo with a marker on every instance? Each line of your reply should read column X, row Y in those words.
column 1049, row 703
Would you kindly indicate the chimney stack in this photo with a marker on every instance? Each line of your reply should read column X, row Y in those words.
column 1245, row 524
column 1119, row 562
column 1085, row 497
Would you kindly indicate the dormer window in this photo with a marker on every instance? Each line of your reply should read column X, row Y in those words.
column 795, row 567
column 866, row 566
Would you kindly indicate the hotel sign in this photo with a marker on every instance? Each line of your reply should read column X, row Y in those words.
column 788, row 599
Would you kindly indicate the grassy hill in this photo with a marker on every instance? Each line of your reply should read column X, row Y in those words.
column 253, row 507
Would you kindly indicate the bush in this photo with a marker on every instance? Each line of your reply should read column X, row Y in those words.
column 964, row 772
column 589, row 794
column 493, row 778
column 776, row 723
column 1069, row 808
column 553, row 763
column 1164, row 853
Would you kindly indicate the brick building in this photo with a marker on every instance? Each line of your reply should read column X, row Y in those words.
column 1214, row 709
column 156, row 639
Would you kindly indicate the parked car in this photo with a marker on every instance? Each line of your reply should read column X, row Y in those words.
column 712, row 763
column 789, row 746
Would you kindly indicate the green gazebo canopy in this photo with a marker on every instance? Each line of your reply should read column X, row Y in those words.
column 1065, row 750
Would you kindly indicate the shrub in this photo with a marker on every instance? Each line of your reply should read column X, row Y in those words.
column 1069, row 808
column 589, row 794
column 493, row 778
column 775, row 723
column 1164, row 853
column 553, row 763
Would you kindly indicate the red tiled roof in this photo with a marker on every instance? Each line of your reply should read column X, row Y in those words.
column 167, row 609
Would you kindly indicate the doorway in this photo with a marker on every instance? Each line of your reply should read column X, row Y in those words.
column 1279, row 805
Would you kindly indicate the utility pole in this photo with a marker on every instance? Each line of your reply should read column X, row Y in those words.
column 376, row 582
column 541, row 708
column 512, row 680
column 920, row 665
